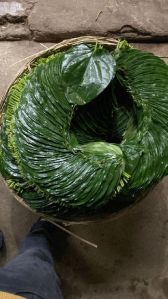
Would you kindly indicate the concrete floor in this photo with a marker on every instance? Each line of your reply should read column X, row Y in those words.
column 131, row 261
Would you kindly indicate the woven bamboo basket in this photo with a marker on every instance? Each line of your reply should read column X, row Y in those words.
column 109, row 43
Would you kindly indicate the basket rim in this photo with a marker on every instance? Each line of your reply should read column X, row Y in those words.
column 99, row 219
column 106, row 41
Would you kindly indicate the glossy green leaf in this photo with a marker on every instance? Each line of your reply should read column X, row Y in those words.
column 49, row 152
column 145, row 144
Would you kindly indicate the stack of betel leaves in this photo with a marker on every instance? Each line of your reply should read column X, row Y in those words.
column 85, row 131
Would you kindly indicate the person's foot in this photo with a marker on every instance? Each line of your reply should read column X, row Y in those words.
column 1, row 240
column 56, row 237
column 49, row 229
column 43, row 226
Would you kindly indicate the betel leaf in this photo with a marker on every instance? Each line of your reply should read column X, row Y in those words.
column 50, row 155
column 145, row 145
column 86, row 70
column 86, row 130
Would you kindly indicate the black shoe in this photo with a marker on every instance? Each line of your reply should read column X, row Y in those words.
column 58, row 239
column 1, row 240
column 43, row 226
column 47, row 228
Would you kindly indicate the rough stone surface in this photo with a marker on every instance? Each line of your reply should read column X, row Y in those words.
column 131, row 19
column 131, row 261
column 53, row 20
column 13, row 19
column 14, row 32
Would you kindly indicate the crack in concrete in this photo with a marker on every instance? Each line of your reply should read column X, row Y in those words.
column 12, row 19
column 127, row 28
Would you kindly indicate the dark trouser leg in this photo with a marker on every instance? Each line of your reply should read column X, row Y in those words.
column 32, row 271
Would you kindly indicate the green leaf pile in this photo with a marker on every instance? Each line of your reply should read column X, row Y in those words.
column 85, row 131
